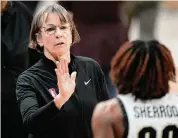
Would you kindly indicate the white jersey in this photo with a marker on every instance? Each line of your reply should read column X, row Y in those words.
column 156, row 118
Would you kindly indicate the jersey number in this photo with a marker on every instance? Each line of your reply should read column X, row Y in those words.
column 167, row 131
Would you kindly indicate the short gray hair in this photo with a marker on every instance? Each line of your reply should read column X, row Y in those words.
column 64, row 16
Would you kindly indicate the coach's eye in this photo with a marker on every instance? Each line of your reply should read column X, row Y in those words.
column 50, row 30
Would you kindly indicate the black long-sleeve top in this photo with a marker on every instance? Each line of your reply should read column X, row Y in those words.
column 15, row 30
column 39, row 113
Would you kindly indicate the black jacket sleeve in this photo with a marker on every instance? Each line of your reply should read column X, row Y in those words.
column 36, row 119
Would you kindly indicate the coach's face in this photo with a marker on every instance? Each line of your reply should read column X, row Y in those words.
column 55, row 36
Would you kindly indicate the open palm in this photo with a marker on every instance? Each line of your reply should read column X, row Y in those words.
column 66, row 83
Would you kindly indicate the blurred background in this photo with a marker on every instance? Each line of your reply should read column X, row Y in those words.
column 103, row 26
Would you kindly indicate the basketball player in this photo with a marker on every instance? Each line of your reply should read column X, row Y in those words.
column 144, row 108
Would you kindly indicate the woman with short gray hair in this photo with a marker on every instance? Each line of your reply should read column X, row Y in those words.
column 57, row 95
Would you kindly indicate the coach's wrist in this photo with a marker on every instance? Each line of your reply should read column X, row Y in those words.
column 59, row 101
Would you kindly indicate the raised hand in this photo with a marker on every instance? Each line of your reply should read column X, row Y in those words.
column 66, row 83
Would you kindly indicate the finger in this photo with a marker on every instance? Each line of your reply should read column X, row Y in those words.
column 73, row 75
column 62, row 65
column 58, row 66
column 67, row 69
column 57, row 74
column 66, row 66
column 66, row 72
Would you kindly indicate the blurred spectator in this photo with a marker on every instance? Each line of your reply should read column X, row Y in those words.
column 143, row 15
column 15, row 27
column 167, row 27
column 31, row 5
column 166, row 31
column 101, row 30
